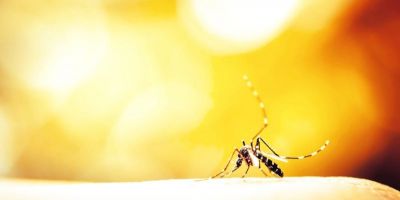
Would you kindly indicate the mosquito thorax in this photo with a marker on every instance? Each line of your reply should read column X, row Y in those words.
column 245, row 150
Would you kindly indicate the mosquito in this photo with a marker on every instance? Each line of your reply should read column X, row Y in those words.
column 252, row 154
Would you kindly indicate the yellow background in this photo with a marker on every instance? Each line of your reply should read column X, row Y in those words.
column 119, row 90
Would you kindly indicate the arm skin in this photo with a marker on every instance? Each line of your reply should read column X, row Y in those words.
column 227, row 188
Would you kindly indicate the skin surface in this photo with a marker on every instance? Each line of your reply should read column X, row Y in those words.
column 227, row 188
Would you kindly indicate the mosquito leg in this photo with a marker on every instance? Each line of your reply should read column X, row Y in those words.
column 265, row 174
column 230, row 159
column 260, row 103
column 259, row 132
column 258, row 143
column 295, row 157
column 233, row 170
column 247, row 170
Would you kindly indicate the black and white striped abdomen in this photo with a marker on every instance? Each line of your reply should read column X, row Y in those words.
column 271, row 165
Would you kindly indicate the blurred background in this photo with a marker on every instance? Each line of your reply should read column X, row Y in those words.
column 121, row 90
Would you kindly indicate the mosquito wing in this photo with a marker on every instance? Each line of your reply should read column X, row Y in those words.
column 274, row 157
column 254, row 160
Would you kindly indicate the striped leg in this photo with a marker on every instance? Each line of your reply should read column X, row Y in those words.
column 294, row 157
column 233, row 170
column 265, row 174
column 260, row 103
column 226, row 167
column 247, row 170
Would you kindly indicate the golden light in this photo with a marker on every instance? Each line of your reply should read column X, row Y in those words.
column 5, row 143
column 310, row 109
column 227, row 26
column 145, row 91
column 316, row 15
column 157, row 115
column 60, row 43
column 120, row 90
column 70, row 60
column 132, row 68
column 171, row 108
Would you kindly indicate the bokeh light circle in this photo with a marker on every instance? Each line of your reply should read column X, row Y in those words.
column 226, row 26
column 51, row 46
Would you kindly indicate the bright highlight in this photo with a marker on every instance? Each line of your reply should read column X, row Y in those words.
column 236, row 26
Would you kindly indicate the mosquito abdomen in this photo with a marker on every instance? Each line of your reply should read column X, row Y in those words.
column 273, row 167
column 239, row 162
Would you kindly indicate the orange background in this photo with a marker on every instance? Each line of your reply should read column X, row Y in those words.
column 119, row 90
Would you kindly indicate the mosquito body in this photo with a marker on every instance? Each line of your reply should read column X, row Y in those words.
column 252, row 155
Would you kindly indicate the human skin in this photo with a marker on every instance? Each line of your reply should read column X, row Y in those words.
column 227, row 188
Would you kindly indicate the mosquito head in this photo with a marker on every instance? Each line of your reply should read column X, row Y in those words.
column 244, row 151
